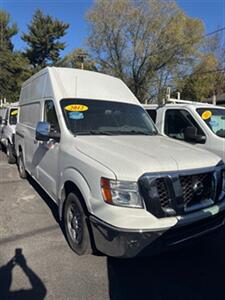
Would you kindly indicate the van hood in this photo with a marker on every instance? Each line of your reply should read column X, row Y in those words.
column 129, row 157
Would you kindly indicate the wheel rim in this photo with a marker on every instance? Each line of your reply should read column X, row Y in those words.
column 7, row 151
column 20, row 164
column 74, row 223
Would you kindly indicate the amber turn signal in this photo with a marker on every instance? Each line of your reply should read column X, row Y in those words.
column 106, row 192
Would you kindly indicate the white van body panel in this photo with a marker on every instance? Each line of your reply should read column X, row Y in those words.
column 156, row 154
column 62, row 83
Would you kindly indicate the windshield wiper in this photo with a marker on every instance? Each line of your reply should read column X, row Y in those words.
column 135, row 132
column 118, row 132
column 92, row 132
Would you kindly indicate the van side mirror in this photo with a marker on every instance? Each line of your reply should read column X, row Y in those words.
column 191, row 135
column 44, row 133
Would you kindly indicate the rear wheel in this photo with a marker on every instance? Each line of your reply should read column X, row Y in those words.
column 21, row 167
column 76, row 227
column 9, row 152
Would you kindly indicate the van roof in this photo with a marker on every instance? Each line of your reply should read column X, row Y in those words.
column 192, row 105
column 61, row 83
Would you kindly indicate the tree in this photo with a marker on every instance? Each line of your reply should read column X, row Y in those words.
column 14, row 68
column 201, row 83
column 43, row 39
column 139, row 41
column 7, row 31
column 78, row 58
column 208, row 75
column 216, row 46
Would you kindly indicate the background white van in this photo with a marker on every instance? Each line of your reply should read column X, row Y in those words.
column 8, row 120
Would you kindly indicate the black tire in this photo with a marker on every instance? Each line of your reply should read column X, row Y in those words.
column 1, row 148
column 9, row 152
column 21, row 166
column 75, row 224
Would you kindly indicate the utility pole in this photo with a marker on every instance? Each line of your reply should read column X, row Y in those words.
column 81, row 58
column 214, row 99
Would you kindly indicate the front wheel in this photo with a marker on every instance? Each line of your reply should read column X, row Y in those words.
column 21, row 167
column 76, row 227
column 9, row 152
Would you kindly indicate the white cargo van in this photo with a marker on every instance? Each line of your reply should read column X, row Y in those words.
column 199, row 124
column 118, row 184
column 8, row 120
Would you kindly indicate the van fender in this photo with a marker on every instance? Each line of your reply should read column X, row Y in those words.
column 79, row 181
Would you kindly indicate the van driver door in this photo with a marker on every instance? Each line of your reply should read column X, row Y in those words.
column 45, row 159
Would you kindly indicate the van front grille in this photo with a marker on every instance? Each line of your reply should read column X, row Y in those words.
column 163, row 193
column 201, row 182
column 176, row 194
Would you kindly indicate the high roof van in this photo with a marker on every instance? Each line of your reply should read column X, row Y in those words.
column 120, row 186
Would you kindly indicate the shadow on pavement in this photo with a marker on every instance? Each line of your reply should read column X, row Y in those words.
column 49, row 202
column 193, row 273
column 53, row 207
column 28, row 234
column 38, row 290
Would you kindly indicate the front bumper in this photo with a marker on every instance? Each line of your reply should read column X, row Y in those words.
column 125, row 243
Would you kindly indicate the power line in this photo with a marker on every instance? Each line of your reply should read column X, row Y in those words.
column 212, row 71
column 202, row 73
column 190, row 41
column 214, row 32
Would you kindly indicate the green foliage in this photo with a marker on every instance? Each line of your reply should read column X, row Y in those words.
column 143, row 42
column 208, row 75
column 7, row 31
column 42, row 38
column 14, row 67
column 200, row 84
column 14, row 70
column 76, row 59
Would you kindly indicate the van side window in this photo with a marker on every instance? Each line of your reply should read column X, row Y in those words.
column 30, row 114
column 176, row 121
column 13, row 116
column 152, row 113
column 50, row 115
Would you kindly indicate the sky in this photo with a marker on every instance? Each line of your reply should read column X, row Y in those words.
column 211, row 12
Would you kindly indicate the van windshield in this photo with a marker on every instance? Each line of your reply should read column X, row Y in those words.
column 214, row 118
column 13, row 116
column 95, row 117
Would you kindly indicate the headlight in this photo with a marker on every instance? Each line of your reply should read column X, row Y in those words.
column 121, row 193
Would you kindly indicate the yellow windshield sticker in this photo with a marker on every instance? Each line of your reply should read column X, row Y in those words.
column 206, row 115
column 76, row 107
column 14, row 113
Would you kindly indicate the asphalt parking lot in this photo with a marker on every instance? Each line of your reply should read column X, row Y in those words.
column 37, row 263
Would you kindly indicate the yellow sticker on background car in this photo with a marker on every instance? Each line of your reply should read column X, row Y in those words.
column 76, row 107
column 206, row 115
column 14, row 113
